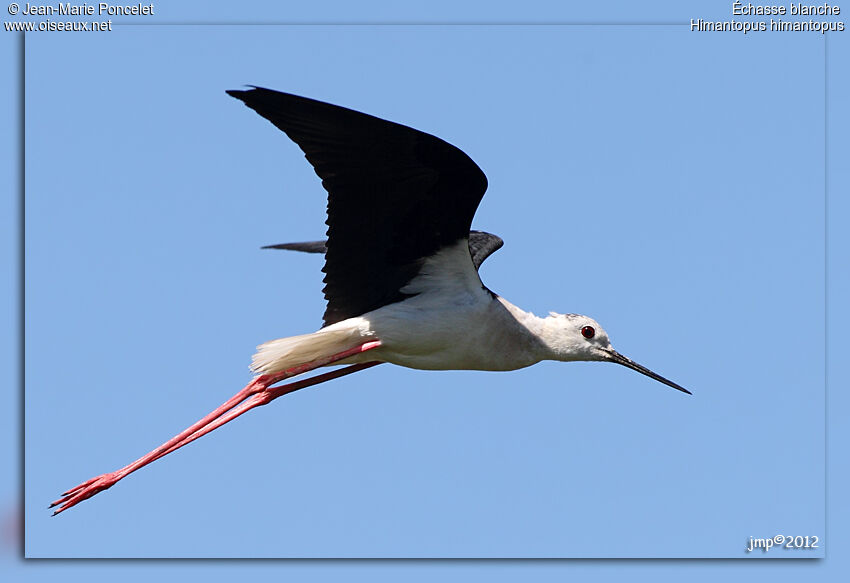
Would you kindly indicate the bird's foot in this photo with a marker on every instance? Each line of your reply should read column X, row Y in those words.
column 86, row 490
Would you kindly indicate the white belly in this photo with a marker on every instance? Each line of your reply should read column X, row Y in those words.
column 466, row 332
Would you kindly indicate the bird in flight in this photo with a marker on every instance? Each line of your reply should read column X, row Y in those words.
column 401, row 270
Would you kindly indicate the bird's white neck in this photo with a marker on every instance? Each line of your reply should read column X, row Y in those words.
column 549, row 337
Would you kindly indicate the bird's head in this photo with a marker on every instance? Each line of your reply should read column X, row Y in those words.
column 577, row 337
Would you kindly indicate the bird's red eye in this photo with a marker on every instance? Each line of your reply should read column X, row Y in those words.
column 588, row 332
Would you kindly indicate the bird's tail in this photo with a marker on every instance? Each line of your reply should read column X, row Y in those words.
column 284, row 353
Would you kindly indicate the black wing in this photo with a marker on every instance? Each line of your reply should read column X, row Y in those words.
column 395, row 196
column 481, row 246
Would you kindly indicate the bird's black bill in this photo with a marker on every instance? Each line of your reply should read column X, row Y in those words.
column 615, row 356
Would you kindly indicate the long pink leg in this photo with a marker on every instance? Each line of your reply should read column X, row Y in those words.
column 258, row 392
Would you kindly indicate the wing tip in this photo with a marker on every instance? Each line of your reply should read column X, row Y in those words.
column 305, row 246
column 241, row 93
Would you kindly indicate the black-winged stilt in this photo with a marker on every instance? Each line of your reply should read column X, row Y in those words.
column 401, row 270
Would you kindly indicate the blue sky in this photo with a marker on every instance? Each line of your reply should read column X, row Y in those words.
column 669, row 184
